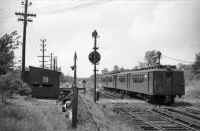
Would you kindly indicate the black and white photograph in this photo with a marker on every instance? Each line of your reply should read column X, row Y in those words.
column 99, row 65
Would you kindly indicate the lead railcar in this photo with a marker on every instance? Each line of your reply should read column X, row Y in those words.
column 156, row 84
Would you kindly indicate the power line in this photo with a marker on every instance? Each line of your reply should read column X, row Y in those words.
column 43, row 45
column 180, row 60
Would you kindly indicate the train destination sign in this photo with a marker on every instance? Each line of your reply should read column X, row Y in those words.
column 94, row 57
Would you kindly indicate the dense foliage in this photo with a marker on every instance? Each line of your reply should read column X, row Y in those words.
column 8, row 42
column 196, row 66
column 10, row 81
column 153, row 57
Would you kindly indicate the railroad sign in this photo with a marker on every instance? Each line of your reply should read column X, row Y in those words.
column 94, row 57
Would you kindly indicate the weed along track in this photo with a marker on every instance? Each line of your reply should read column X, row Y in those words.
column 154, row 119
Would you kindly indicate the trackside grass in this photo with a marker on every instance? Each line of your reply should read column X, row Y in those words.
column 18, row 118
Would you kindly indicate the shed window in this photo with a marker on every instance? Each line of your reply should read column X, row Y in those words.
column 45, row 79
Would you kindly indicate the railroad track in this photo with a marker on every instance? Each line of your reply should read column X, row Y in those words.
column 187, row 116
column 109, row 94
column 151, row 120
column 193, row 110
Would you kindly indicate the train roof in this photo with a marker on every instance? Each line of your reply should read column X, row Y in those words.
column 146, row 69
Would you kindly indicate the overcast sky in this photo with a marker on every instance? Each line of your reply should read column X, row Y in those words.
column 127, row 29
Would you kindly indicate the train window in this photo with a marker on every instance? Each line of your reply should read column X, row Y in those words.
column 138, row 78
column 110, row 79
column 103, row 79
column 122, row 79
column 107, row 79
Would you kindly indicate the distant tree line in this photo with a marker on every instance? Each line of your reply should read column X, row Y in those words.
column 196, row 66
column 153, row 57
column 66, row 78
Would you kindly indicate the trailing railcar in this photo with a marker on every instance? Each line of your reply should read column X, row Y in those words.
column 159, row 83
column 44, row 83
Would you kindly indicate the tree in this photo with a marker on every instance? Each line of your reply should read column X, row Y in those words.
column 142, row 64
column 181, row 66
column 115, row 68
column 8, row 42
column 196, row 65
column 122, row 69
column 153, row 57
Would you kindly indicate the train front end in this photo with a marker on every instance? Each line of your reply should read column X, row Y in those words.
column 169, row 83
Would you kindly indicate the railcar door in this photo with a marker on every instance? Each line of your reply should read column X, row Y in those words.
column 169, row 82
column 114, row 81
column 128, row 81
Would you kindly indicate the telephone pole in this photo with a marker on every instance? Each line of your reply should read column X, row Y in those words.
column 43, row 52
column 55, row 66
column 75, row 95
column 51, row 61
column 24, row 16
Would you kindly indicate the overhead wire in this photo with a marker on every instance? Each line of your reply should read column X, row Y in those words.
column 179, row 60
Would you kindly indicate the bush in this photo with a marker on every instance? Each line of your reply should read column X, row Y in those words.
column 193, row 88
column 25, row 89
column 11, row 83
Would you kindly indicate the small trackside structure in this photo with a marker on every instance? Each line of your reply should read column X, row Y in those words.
column 45, row 83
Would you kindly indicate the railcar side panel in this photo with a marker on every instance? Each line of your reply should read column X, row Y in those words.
column 150, row 83
column 121, row 82
column 139, row 83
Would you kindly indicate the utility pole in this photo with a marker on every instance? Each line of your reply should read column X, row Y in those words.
column 51, row 61
column 43, row 45
column 75, row 96
column 55, row 63
column 25, row 18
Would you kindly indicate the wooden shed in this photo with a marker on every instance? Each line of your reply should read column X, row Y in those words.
column 45, row 83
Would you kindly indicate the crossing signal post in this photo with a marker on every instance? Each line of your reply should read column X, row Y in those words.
column 94, row 58
column 25, row 17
